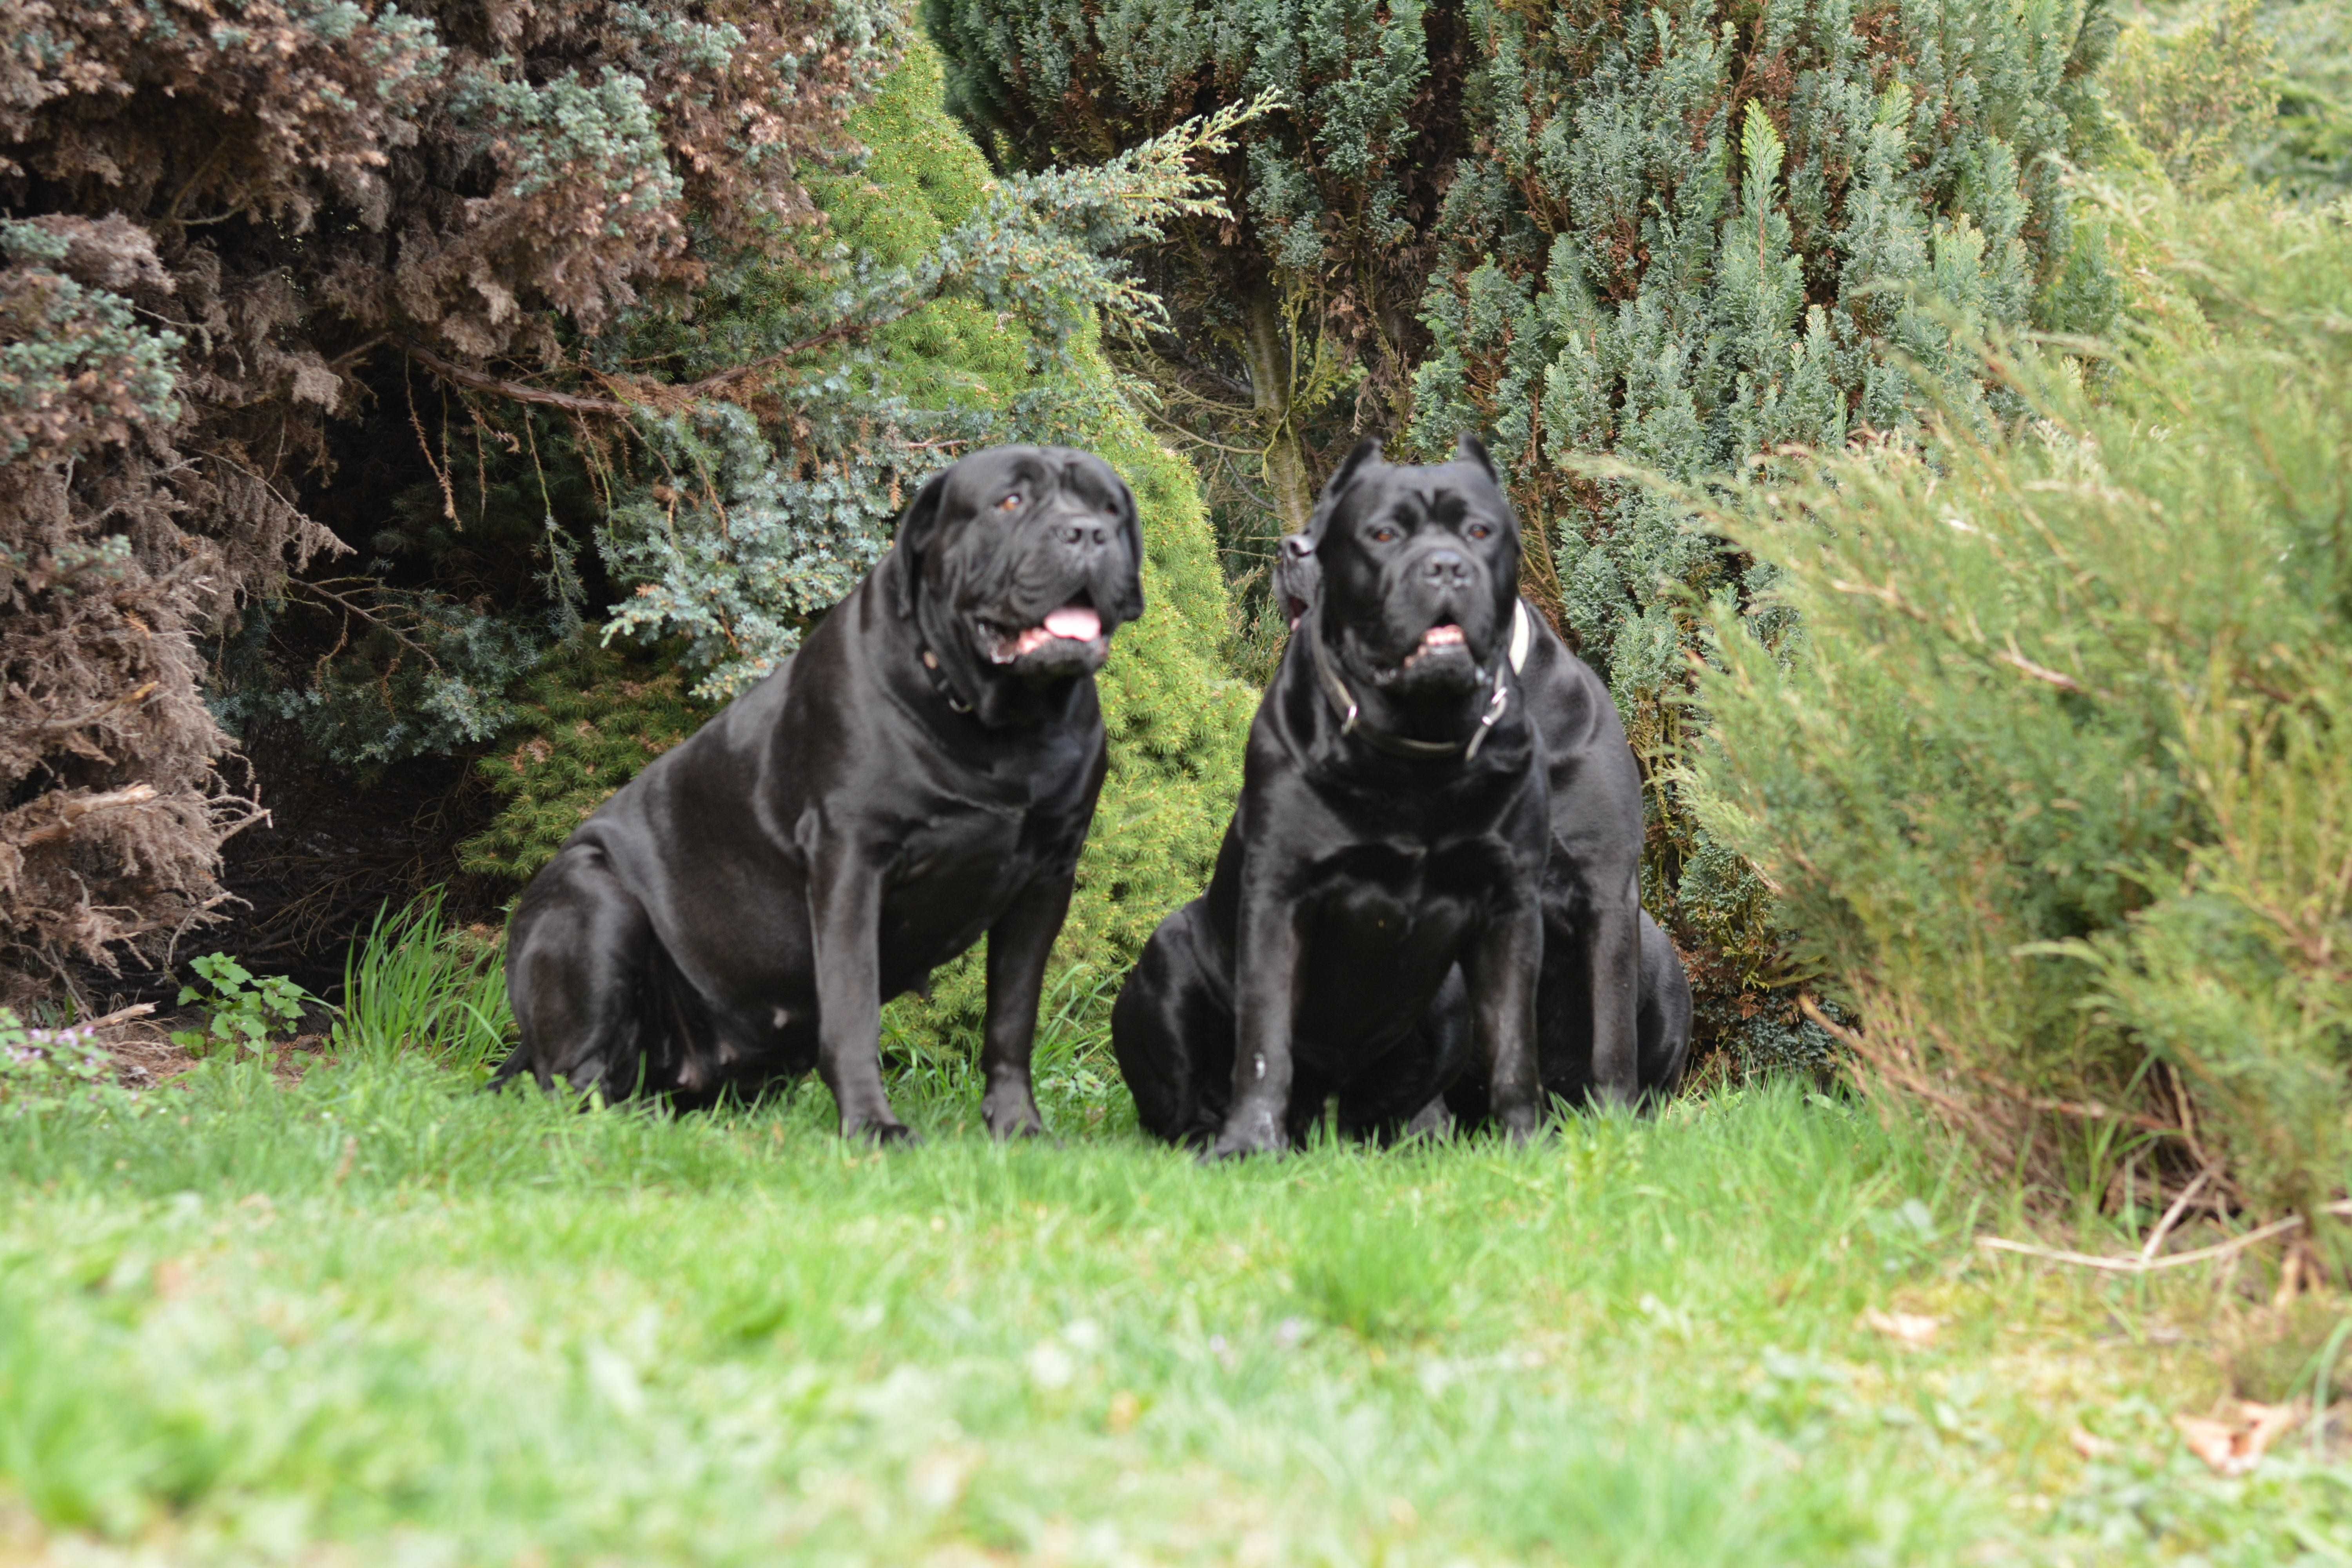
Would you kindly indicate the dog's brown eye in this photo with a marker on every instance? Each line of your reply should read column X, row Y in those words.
column 1382, row 535
column 1009, row 502
column 1479, row 530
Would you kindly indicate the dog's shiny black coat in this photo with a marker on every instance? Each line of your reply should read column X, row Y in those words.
column 1353, row 881
column 1613, row 1008
column 922, row 771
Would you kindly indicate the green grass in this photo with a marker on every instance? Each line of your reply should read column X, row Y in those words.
column 383, row 1309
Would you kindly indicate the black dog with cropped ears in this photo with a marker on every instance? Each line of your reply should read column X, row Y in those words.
column 1613, row 1008
column 922, row 772
column 1391, row 826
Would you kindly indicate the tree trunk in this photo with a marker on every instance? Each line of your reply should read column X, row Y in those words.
column 1286, row 476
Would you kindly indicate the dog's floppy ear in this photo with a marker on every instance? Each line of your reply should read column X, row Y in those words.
column 915, row 530
column 1130, row 522
column 1470, row 450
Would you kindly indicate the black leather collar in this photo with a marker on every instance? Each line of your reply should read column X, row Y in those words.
column 939, row 682
column 1343, row 702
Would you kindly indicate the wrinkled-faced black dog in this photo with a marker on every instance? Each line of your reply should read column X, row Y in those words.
column 1391, row 826
column 922, row 771
column 1613, row 1008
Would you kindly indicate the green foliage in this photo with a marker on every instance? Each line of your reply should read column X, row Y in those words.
column 2055, row 782
column 2308, row 151
column 1295, row 316
column 2197, row 91
column 589, row 720
column 1175, row 720
column 416, row 673
column 1322, row 184
column 2225, row 91
column 63, row 344
column 245, row 1011
column 51, row 1070
column 414, row 984
column 1693, row 239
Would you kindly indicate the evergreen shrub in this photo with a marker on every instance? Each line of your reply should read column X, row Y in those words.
column 1294, row 310
column 2051, row 773
column 228, row 234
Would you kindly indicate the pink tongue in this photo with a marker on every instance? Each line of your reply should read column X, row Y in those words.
column 1075, row 621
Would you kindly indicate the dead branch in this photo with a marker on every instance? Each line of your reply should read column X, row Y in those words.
column 72, row 811
column 2144, row 1262
column 612, row 408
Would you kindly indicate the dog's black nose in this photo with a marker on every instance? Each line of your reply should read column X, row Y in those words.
column 1446, row 566
column 1084, row 534
column 1299, row 546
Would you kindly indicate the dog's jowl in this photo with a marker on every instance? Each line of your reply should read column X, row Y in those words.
column 921, row 774
column 1390, row 827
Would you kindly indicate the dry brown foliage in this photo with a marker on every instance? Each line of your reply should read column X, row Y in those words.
column 215, row 215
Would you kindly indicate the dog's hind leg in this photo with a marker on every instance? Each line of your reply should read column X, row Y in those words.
column 1663, row 1017
column 1172, row 1038
column 580, row 962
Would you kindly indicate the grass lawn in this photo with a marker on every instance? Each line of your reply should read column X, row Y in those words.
column 380, row 1317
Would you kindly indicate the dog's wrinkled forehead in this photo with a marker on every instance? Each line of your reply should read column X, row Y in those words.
column 1370, row 495
column 1011, row 483
column 1447, row 494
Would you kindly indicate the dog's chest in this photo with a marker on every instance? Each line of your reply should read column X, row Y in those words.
column 949, row 880
column 1379, row 932
column 1392, row 902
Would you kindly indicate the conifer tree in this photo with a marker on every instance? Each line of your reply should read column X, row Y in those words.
column 1311, row 287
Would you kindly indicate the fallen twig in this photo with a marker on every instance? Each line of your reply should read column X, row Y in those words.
column 2173, row 1216
column 120, row 1015
column 2144, row 1264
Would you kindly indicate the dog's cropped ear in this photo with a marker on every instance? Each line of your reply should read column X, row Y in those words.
column 1470, row 450
column 1130, row 522
column 914, row 536
column 1367, row 451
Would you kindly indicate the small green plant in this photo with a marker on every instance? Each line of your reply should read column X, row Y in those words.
column 415, row 983
column 246, row 1011
column 43, row 1069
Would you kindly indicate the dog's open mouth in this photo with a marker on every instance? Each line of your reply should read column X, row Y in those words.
column 1071, row 623
column 1436, row 640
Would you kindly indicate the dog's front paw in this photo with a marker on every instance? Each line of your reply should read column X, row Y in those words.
column 881, row 1131
column 1012, row 1114
column 1253, row 1133
column 1520, row 1123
